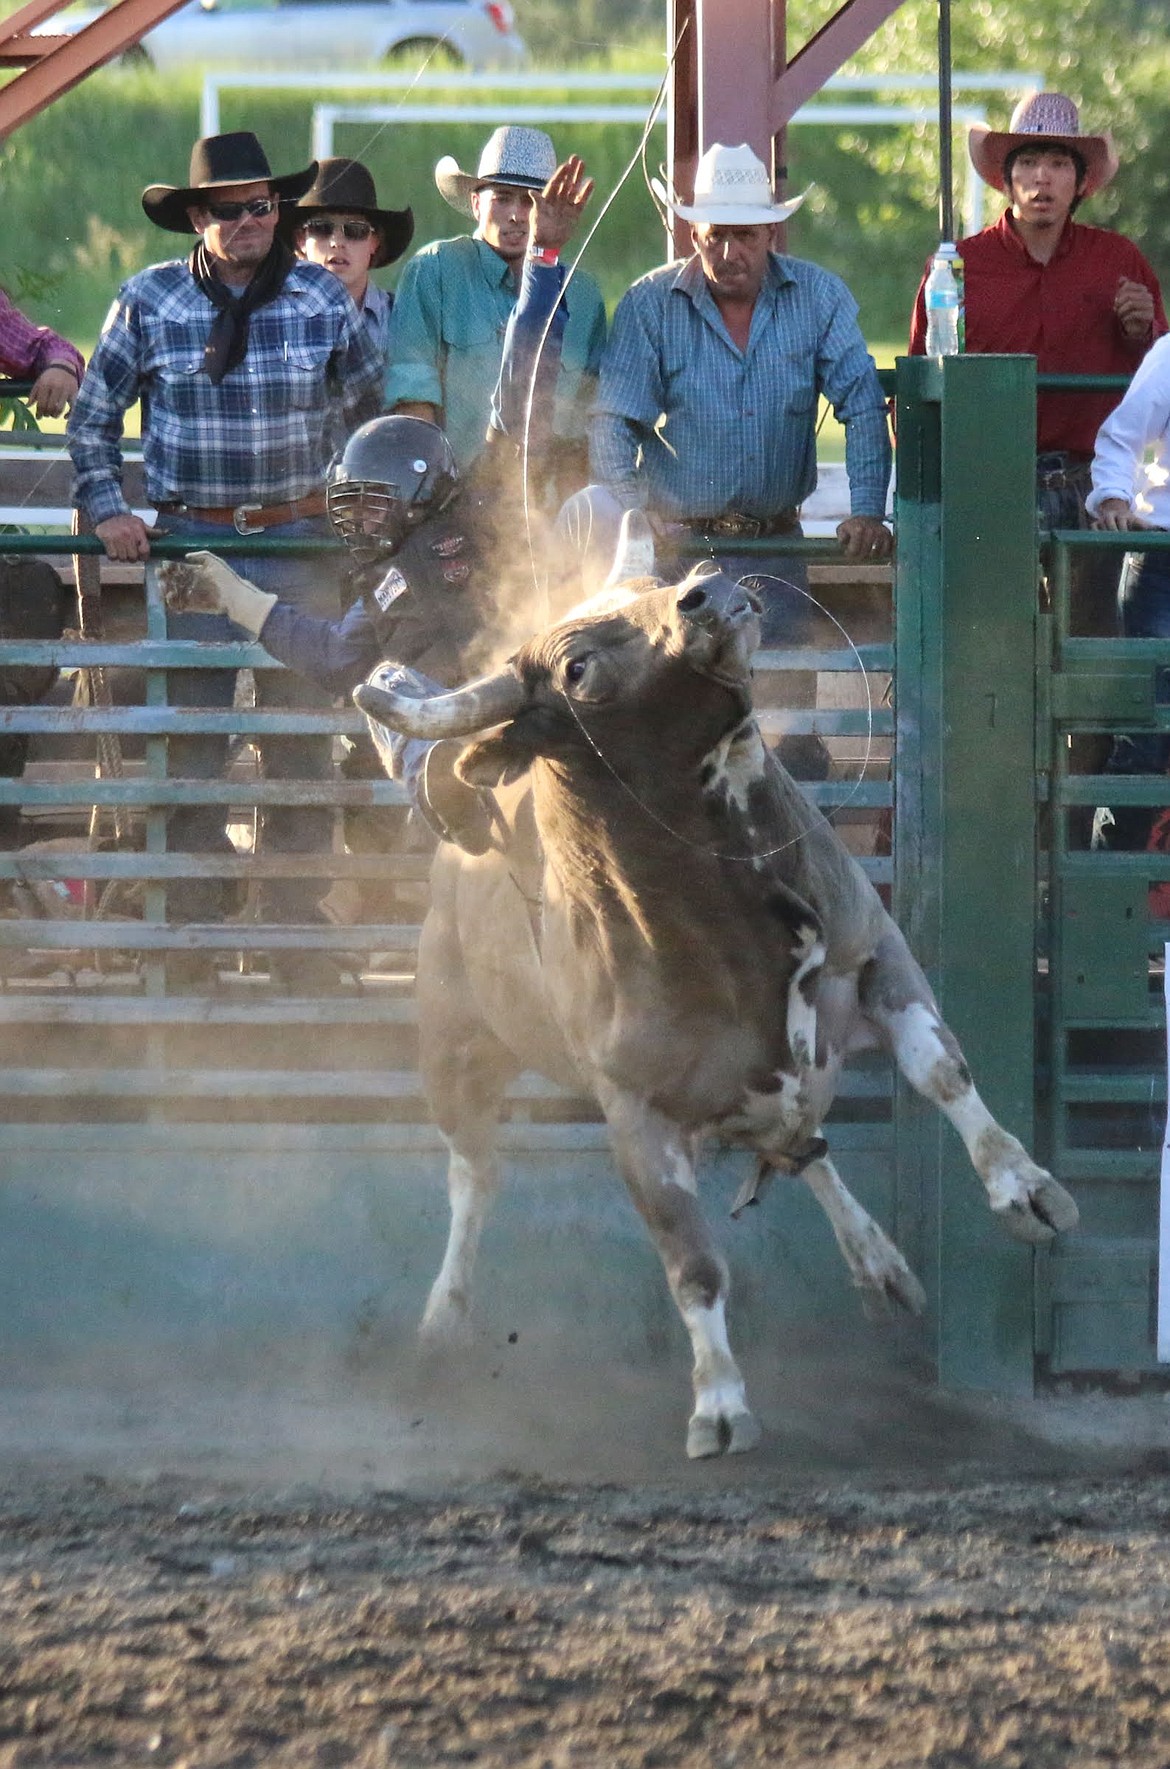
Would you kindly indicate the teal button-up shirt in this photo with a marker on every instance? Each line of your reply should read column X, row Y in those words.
column 691, row 425
column 446, row 341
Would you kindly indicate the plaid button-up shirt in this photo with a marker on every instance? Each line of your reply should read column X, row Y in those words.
column 262, row 435
column 691, row 425
column 27, row 350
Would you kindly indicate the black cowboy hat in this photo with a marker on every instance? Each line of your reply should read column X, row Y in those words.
column 218, row 161
column 346, row 187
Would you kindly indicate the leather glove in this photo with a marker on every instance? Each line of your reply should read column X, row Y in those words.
column 202, row 584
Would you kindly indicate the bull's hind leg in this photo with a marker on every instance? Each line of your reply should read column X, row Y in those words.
column 657, row 1161
column 875, row 1264
column 466, row 1071
column 897, row 1000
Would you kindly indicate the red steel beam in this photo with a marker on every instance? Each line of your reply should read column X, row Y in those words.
column 65, row 66
column 22, row 52
column 27, row 18
column 841, row 36
column 732, row 81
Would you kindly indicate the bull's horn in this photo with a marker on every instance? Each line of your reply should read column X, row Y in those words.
column 489, row 701
column 635, row 550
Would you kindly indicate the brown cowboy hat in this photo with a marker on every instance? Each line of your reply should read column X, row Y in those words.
column 218, row 161
column 1043, row 119
column 346, row 187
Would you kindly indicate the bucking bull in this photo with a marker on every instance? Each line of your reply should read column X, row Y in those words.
column 671, row 928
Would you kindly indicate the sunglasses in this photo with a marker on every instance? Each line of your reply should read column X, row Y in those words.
column 351, row 230
column 236, row 211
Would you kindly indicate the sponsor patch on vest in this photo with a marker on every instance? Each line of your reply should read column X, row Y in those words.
column 456, row 574
column 391, row 587
column 449, row 545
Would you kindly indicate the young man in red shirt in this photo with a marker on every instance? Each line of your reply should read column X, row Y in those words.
column 1081, row 300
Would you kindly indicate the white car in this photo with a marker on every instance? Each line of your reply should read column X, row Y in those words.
column 310, row 34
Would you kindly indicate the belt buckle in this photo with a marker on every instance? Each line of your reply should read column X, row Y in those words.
column 240, row 519
column 743, row 527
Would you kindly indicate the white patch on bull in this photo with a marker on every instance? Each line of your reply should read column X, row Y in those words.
column 470, row 1189
column 680, row 1172
column 769, row 1119
column 802, row 1014
column 1032, row 1205
column 737, row 762
column 721, row 1420
column 927, row 1063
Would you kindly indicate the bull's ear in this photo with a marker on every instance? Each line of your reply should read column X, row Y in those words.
column 495, row 760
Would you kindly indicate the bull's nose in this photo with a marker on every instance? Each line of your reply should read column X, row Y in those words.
column 718, row 598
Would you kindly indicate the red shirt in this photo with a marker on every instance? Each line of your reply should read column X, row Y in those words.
column 1060, row 312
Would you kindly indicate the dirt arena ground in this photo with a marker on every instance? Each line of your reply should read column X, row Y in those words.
column 522, row 1570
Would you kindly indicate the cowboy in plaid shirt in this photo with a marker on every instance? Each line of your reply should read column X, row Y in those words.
column 235, row 353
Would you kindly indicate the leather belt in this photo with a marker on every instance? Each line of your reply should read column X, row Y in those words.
column 252, row 518
column 733, row 525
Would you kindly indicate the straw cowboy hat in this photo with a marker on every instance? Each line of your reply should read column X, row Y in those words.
column 346, row 187
column 218, row 161
column 732, row 189
column 1043, row 119
column 512, row 155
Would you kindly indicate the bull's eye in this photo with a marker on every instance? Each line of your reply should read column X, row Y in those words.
column 575, row 668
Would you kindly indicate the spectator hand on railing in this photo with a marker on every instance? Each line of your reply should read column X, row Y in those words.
column 1116, row 515
column 203, row 584
column 865, row 537
column 53, row 391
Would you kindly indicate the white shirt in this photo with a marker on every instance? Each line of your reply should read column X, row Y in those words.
column 1139, row 425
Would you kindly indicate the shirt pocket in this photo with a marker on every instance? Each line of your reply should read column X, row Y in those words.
column 796, row 387
column 303, row 370
column 174, row 373
column 470, row 328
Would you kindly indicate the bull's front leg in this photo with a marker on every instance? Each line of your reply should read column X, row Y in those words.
column 898, row 1001
column 657, row 1161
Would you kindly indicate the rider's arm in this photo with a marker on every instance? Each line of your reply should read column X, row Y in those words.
column 336, row 653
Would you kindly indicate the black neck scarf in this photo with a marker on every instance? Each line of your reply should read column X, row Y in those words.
column 227, row 341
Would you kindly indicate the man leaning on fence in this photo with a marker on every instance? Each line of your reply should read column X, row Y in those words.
column 235, row 352
column 707, row 408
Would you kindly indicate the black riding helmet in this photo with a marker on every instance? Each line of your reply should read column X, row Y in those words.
column 391, row 475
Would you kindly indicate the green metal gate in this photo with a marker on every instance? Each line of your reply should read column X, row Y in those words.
column 1045, row 953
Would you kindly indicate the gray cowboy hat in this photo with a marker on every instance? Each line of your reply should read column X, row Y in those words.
column 346, row 187
column 218, row 161
column 512, row 155
column 1042, row 119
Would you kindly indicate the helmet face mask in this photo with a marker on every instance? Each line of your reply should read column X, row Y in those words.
column 393, row 473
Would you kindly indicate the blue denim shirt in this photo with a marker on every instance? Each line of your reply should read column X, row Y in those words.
column 689, row 424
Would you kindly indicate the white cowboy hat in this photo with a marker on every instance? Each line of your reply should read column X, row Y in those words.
column 512, row 155
column 732, row 189
column 1042, row 119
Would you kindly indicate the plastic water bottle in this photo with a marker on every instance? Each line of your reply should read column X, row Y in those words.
column 944, row 305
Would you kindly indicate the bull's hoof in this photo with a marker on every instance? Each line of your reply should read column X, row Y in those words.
column 727, row 1435
column 1033, row 1206
column 444, row 1331
column 895, row 1287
